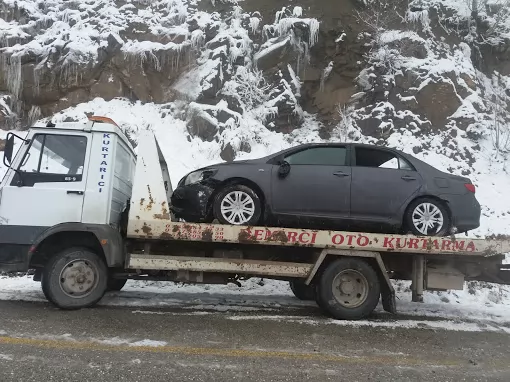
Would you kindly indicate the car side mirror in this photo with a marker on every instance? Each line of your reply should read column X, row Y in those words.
column 284, row 169
column 8, row 150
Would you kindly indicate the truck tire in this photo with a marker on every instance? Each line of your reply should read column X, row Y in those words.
column 75, row 278
column 115, row 285
column 348, row 289
column 302, row 291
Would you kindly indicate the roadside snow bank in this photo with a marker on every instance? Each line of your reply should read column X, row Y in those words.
column 487, row 306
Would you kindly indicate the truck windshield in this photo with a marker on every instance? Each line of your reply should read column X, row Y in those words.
column 55, row 154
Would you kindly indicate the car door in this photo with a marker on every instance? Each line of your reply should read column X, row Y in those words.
column 382, row 183
column 48, row 186
column 318, row 183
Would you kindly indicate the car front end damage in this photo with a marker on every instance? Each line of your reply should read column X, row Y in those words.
column 190, row 200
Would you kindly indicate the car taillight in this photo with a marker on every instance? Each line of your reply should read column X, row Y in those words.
column 470, row 187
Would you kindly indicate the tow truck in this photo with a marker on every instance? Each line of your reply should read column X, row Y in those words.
column 84, row 211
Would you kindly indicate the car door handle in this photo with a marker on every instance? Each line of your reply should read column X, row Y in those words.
column 75, row 192
column 340, row 173
column 407, row 177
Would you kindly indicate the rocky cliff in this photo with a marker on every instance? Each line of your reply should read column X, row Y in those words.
column 227, row 79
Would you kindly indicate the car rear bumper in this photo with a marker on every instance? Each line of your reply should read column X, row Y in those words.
column 465, row 211
column 191, row 202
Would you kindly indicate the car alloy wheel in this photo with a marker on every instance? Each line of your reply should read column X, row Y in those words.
column 427, row 218
column 237, row 207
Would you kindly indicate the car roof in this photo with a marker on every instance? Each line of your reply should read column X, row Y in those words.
column 332, row 144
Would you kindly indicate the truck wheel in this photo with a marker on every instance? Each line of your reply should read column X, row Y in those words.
column 75, row 278
column 302, row 291
column 348, row 289
column 116, row 284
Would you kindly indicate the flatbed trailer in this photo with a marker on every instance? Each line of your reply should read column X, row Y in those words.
column 347, row 273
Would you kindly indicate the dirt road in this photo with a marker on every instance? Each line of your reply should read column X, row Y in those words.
column 39, row 342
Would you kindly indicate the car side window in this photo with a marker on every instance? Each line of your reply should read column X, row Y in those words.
column 326, row 156
column 366, row 157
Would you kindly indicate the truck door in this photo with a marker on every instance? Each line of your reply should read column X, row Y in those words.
column 48, row 185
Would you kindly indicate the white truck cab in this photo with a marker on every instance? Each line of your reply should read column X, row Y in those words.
column 70, row 177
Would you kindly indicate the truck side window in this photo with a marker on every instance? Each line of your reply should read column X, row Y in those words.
column 53, row 158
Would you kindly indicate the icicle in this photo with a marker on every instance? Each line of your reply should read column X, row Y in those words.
column 197, row 38
column 14, row 78
column 295, row 80
column 325, row 74
column 297, row 11
column 254, row 24
column 313, row 25
column 34, row 114
column 285, row 25
column 279, row 15
column 419, row 17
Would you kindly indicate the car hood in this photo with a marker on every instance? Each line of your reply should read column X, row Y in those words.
column 236, row 162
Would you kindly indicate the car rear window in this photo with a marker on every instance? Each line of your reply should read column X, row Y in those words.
column 381, row 159
column 326, row 156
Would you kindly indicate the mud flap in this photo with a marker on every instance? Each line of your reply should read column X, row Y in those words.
column 389, row 302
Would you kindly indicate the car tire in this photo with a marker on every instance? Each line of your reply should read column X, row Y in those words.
column 75, row 288
column 426, row 208
column 348, row 289
column 237, row 205
column 302, row 291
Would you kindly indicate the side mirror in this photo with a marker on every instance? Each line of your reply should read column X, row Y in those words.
column 284, row 169
column 8, row 149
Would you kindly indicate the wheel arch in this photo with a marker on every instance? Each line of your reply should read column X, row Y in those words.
column 102, row 239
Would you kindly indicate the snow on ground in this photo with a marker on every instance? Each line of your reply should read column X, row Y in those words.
column 473, row 309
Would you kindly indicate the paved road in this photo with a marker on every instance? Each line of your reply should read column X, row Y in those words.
column 39, row 342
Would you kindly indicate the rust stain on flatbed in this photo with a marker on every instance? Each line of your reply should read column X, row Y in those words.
column 166, row 235
column 141, row 201
column 163, row 216
column 278, row 236
column 151, row 199
column 164, row 210
column 207, row 235
column 146, row 229
column 245, row 237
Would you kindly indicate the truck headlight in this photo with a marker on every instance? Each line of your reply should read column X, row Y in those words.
column 198, row 176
